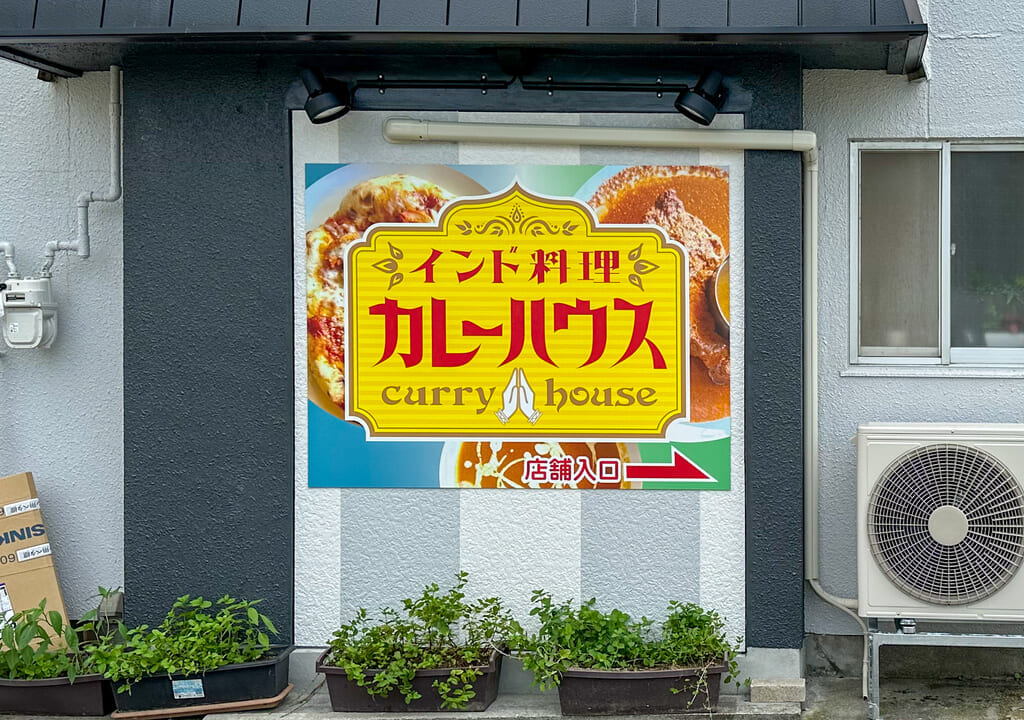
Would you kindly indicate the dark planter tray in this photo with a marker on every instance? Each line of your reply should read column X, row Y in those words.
column 232, row 683
column 87, row 695
column 347, row 696
column 637, row 692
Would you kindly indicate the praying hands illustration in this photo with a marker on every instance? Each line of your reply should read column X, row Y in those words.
column 518, row 395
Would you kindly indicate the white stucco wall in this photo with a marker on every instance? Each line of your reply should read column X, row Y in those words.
column 62, row 407
column 975, row 89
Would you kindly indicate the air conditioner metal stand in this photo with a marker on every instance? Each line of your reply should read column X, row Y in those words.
column 877, row 638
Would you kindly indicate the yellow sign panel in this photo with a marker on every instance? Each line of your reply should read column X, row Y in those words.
column 516, row 316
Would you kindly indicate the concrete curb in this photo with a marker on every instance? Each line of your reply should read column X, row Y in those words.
column 535, row 706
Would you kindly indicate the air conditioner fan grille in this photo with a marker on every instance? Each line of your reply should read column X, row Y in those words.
column 946, row 523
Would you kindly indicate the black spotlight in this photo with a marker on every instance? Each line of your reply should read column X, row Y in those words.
column 326, row 102
column 702, row 102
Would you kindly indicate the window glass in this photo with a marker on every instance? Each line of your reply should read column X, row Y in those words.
column 987, row 245
column 899, row 253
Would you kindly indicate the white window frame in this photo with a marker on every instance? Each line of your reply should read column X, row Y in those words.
column 948, row 356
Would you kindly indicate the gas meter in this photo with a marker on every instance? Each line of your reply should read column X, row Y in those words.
column 29, row 315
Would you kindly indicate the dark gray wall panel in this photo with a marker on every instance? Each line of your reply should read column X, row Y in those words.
column 17, row 14
column 773, row 341
column 825, row 13
column 481, row 14
column 544, row 14
column 189, row 14
column 617, row 14
column 340, row 14
column 208, row 477
column 890, row 12
column 136, row 14
column 412, row 14
column 274, row 13
column 758, row 13
column 693, row 13
column 65, row 14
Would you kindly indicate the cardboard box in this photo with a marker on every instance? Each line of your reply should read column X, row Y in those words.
column 27, row 574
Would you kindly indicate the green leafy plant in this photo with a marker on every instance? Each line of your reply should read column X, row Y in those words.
column 37, row 643
column 439, row 629
column 571, row 636
column 1002, row 300
column 197, row 635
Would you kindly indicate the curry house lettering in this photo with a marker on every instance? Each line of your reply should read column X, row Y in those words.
column 555, row 396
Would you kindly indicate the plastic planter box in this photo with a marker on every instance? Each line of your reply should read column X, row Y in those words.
column 232, row 683
column 87, row 695
column 347, row 696
column 637, row 692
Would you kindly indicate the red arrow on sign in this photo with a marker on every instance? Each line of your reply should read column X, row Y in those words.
column 679, row 469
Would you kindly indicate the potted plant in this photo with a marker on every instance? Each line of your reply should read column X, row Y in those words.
column 606, row 663
column 45, row 669
column 203, row 654
column 440, row 652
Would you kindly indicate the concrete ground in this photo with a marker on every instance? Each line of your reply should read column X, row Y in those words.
column 827, row 699
column 840, row 699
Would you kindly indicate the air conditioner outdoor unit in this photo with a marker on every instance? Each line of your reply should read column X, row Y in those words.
column 940, row 511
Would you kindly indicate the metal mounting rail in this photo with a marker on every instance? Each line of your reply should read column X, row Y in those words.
column 877, row 639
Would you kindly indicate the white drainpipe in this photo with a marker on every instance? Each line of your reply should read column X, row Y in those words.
column 81, row 242
column 802, row 141
column 7, row 251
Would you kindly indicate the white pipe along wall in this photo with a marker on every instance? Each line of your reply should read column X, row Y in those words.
column 7, row 250
column 404, row 130
column 81, row 242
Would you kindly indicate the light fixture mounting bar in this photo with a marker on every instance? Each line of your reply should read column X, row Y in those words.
column 382, row 84
column 586, row 86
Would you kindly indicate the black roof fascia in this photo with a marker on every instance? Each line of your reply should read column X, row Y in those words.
column 68, row 55
column 703, row 34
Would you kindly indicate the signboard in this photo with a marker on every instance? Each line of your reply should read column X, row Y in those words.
column 529, row 327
